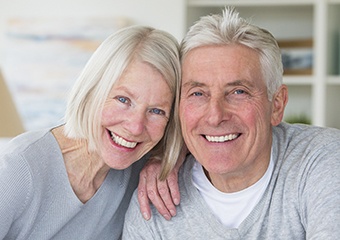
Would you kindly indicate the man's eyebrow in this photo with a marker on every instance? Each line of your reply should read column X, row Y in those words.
column 193, row 84
column 241, row 82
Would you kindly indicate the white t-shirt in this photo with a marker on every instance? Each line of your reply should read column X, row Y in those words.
column 230, row 208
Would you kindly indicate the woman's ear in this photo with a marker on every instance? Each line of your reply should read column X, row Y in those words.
column 279, row 102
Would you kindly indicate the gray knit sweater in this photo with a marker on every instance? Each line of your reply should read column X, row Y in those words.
column 37, row 201
column 302, row 200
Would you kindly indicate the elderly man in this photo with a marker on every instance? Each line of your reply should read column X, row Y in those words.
column 249, row 175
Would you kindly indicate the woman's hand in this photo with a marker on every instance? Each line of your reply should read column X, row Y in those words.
column 164, row 195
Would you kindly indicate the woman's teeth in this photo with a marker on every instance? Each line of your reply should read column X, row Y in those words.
column 221, row 138
column 122, row 142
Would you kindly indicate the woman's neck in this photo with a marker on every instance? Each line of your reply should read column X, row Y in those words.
column 86, row 170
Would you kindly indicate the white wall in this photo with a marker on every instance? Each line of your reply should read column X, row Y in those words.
column 164, row 14
column 167, row 15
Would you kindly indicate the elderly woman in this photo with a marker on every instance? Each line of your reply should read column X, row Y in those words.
column 75, row 181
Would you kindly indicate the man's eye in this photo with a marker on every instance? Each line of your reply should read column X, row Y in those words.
column 239, row 91
column 157, row 111
column 197, row 94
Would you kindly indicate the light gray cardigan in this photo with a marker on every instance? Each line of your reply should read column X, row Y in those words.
column 37, row 200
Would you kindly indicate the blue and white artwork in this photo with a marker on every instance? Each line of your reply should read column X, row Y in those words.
column 43, row 58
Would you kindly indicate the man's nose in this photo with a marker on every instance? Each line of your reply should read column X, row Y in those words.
column 217, row 112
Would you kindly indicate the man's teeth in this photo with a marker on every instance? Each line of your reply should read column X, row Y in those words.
column 122, row 142
column 221, row 138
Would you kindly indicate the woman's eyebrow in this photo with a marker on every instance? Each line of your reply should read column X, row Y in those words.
column 126, row 90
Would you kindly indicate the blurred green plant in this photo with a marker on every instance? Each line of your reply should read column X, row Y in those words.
column 298, row 118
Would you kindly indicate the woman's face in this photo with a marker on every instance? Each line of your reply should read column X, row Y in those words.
column 135, row 115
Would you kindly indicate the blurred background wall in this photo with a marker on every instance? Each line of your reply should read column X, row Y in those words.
column 163, row 14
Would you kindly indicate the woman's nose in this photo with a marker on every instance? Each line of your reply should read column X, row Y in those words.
column 136, row 123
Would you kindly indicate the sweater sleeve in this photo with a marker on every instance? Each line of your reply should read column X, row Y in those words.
column 135, row 226
column 320, row 195
column 15, row 189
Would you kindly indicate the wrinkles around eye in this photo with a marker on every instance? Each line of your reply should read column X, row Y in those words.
column 122, row 99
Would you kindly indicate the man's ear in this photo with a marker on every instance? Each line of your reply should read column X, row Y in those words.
column 279, row 102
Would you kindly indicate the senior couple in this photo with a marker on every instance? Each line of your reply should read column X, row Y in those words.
column 245, row 174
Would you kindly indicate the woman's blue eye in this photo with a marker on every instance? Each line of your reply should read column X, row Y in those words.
column 157, row 111
column 122, row 99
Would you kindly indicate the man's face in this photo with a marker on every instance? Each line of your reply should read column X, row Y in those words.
column 225, row 112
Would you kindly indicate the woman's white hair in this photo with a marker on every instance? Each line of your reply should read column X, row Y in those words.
column 85, row 104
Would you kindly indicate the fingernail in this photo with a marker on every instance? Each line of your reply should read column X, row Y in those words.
column 166, row 216
column 176, row 201
column 173, row 213
column 146, row 216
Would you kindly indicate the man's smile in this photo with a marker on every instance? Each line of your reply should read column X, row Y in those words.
column 221, row 138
